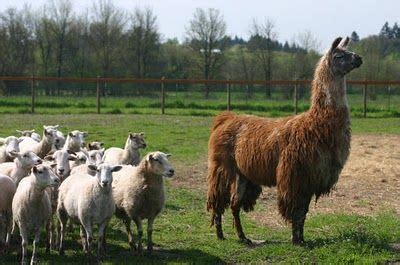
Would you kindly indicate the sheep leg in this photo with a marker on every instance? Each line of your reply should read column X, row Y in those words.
column 24, row 243
column 138, row 223
column 89, row 238
column 131, row 239
column 62, row 217
column 35, row 242
column 299, row 218
column 48, row 236
column 150, row 222
column 82, row 233
column 101, row 244
column 236, row 202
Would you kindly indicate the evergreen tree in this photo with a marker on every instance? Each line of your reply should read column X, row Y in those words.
column 354, row 37
column 386, row 31
column 396, row 31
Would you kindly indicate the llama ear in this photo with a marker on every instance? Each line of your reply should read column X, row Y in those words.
column 344, row 43
column 335, row 44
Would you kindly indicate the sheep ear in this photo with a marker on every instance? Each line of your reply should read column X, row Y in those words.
column 33, row 130
column 18, row 131
column 151, row 157
column 116, row 168
column 141, row 133
column 85, row 134
column 2, row 140
column 168, row 155
column 20, row 140
column 101, row 144
column 56, row 126
column 102, row 150
column 335, row 44
column 35, row 169
column 71, row 152
column 71, row 134
column 131, row 135
column 72, row 158
column 344, row 43
column 92, row 167
column 53, row 165
column 49, row 158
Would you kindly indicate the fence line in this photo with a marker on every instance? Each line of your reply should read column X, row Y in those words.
column 162, row 81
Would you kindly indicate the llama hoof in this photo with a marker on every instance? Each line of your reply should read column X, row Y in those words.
column 297, row 242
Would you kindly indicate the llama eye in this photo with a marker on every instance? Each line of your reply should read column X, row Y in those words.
column 339, row 56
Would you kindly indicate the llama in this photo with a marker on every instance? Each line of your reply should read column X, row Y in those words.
column 301, row 155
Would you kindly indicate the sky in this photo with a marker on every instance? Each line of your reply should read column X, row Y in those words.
column 325, row 19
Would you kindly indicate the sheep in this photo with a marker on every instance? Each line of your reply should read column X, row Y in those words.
column 75, row 141
column 130, row 154
column 81, row 159
column 7, row 190
column 21, row 166
column 60, row 140
column 87, row 200
column 139, row 194
column 9, row 149
column 95, row 145
column 44, row 146
column 31, row 134
column 94, row 157
column 31, row 206
column 301, row 155
column 62, row 158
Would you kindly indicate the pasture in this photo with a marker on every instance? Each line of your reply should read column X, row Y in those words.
column 358, row 223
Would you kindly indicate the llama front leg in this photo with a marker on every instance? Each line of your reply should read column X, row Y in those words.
column 299, row 218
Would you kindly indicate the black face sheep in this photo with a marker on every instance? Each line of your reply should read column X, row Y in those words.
column 31, row 206
column 87, row 200
column 139, row 194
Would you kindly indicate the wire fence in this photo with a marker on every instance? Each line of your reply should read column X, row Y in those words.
column 184, row 96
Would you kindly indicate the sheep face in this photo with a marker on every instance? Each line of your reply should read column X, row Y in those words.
column 96, row 156
column 136, row 140
column 78, row 138
column 50, row 133
column 160, row 165
column 95, row 145
column 59, row 141
column 28, row 159
column 104, row 174
column 44, row 177
column 12, row 145
column 61, row 159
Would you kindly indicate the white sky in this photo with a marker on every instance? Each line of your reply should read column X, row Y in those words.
column 326, row 19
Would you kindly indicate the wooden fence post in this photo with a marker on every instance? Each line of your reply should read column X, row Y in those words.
column 389, row 88
column 162, row 96
column 33, row 94
column 228, row 95
column 98, row 94
column 365, row 99
column 295, row 97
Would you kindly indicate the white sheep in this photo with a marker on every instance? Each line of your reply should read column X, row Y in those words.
column 95, row 145
column 7, row 190
column 94, row 157
column 75, row 141
column 30, row 133
column 87, row 200
column 31, row 206
column 44, row 146
column 81, row 159
column 62, row 158
column 139, row 194
column 9, row 149
column 130, row 154
column 21, row 167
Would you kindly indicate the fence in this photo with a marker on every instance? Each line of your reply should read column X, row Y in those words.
column 245, row 93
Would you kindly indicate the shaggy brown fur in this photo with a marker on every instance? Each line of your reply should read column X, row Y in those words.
column 301, row 155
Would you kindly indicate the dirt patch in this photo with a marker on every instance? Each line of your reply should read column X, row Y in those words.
column 369, row 182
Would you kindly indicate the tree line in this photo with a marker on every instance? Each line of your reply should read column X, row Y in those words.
column 109, row 41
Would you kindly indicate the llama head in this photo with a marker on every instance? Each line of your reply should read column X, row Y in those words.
column 340, row 60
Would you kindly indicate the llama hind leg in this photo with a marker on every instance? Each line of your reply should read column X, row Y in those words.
column 236, row 203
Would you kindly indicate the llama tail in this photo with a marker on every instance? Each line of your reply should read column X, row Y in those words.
column 221, row 118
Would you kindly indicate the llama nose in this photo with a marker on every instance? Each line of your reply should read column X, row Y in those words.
column 171, row 171
column 357, row 60
column 144, row 145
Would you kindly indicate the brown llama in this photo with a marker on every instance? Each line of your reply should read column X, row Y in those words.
column 301, row 155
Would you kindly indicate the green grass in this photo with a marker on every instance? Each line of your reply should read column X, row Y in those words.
column 182, row 231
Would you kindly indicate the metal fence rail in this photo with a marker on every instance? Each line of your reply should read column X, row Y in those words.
column 102, row 81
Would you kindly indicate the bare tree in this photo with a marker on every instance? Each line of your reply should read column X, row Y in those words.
column 144, row 40
column 263, row 34
column 61, row 17
column 206, row 36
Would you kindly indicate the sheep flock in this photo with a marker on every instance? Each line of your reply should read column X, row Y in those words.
column 50, row 181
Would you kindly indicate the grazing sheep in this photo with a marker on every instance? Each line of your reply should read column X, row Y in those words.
column 94, row 157
column 44, row 146
column 95, row 145
column 130, row 154
column 301, row 155
column 31, row 206
column 9, row 149
column 7, row 190
column 21, row 166
column 75, row 141
column 139, row 194
column 31, row 134
column 87, row 200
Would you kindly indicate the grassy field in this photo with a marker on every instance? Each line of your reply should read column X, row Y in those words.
column 182, row 232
